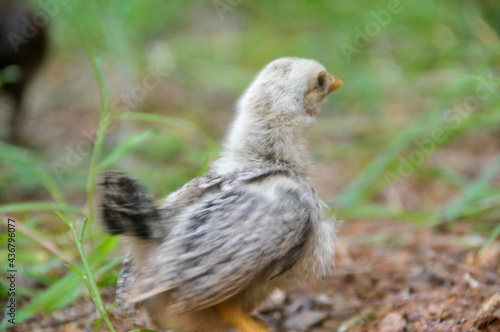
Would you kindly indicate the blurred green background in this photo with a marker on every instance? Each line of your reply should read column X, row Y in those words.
column 413, row 136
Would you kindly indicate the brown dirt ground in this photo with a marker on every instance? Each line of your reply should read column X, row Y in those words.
column 389, row 277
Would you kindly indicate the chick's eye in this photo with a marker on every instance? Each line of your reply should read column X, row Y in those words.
column 321, row 81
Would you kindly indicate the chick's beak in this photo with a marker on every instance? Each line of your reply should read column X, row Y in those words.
column 334, row 83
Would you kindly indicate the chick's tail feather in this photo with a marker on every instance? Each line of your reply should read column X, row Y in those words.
column 126, row 207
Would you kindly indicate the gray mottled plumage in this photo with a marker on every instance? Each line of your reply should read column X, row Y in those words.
column 254, row 223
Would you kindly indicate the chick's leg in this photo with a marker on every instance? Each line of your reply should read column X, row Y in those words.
column 234, row 316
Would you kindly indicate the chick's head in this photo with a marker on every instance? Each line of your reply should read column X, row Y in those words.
column 290, row 87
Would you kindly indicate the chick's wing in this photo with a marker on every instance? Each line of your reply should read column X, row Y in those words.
column 229, row 238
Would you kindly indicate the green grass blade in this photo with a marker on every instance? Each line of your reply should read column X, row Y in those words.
column 105, row 119
column 104, row 123
column 471, row 192
column 364, row 183
column 163, row 119
column 82, row 230
column 375, row 170
column 74, row 269
column 63, row 217
column 476, row 78
column 156, row 118
column 494, row 234
column 108, row 309
column 51, row 185
column 481, row 207
column 37, row 206
column 65, row 290
column 27, row 158
column 108, row 266
column 203, row 168
column 126, row 146
column 18, row 155
column 89, row 276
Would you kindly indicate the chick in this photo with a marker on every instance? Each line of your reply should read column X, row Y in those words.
column 217, row 248
column 23, row 46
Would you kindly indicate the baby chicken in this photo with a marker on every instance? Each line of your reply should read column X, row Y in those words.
column 217, row 248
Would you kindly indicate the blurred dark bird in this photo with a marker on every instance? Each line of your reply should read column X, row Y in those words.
column 23, row 46
column 218, row 247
